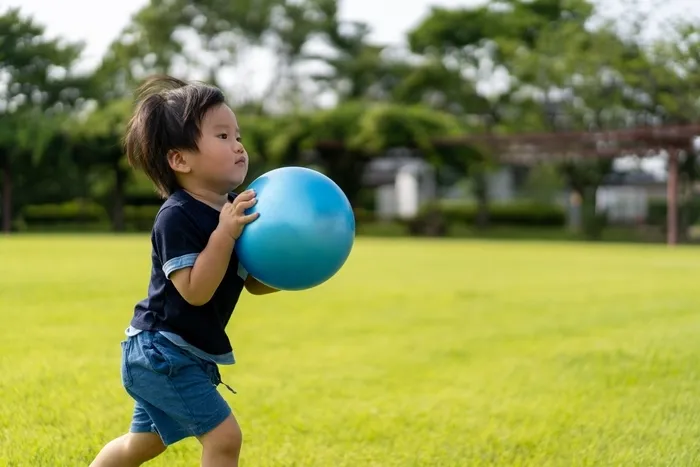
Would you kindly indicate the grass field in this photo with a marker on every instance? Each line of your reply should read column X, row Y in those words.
column 419, row 353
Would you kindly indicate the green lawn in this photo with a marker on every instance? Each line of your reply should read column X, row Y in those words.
column 430, row 353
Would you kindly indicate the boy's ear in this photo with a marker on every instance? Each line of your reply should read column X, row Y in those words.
column 178, row 161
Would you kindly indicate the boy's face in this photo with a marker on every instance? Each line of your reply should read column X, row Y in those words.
column 221, row 163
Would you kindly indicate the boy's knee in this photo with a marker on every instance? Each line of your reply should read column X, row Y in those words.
column 225, row 440
column 237, row 440
column 230, row 441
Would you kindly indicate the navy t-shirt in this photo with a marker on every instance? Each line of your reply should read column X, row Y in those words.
column 180, row 232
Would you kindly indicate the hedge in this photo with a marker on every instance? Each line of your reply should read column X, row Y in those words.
column 515, row 214
column 689, row 212
column 433, row 220
column 69, row 213
column 140, row 218
column 439, row 219
column 83, row 215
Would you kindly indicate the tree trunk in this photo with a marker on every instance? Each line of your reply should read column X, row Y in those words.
column 575, row 211
column 118, row 221
column 481, row 193
column 6, row 196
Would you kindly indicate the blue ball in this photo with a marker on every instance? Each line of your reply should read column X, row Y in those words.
column 304, row 233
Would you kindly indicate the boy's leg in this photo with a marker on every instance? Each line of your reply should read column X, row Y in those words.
column 140, row 445
column 177, row 390
column 129, row 450
column 221, row 447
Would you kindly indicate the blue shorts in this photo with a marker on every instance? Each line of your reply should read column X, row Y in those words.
column 175, row 391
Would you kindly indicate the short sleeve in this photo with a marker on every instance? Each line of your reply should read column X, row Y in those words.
column 175, row 240
column 242, row 273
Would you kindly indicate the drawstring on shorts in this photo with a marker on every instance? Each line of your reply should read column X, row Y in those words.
column 219, row 380
column 228, row 387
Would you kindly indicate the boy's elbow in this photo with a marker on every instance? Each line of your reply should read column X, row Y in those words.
column 196, row 296
column 253, row 290
column 195, row 300
column 255, row 287
column 193, row 297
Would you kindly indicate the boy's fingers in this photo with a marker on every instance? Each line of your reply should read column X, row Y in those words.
column 243, row 205
column 242, row 198
column 250, row 218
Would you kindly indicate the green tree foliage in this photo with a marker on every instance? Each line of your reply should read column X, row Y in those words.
column 345, row 138
column 36, row 88
column 505, row 66
column 97, row 148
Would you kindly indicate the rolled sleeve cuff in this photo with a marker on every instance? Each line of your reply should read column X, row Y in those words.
column 181, row 262
column 242, row 273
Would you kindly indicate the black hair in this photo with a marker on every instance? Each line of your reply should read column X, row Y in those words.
column 168, row 116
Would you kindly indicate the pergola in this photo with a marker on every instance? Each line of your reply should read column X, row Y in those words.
column 642, row 142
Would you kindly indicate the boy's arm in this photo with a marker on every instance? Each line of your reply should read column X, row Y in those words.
column 255, row 287
column 198, row 283
column 194, row 267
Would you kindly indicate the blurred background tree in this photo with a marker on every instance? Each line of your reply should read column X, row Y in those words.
column 342, row 103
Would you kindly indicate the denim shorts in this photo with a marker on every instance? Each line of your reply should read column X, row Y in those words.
column 175, row 391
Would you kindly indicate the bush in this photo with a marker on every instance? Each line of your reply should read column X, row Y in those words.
column 140, row 218
column 431, row 223
column 437, row 219
column 688, row 212
column 594, row 223
column 83, row 215
column 515, row 214
column 72, row 213
column 363, row 216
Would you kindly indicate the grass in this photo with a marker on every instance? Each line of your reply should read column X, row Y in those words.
column 419, row 353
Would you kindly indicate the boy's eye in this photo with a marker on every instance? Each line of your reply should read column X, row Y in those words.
column 223, row 136
column 238, row 138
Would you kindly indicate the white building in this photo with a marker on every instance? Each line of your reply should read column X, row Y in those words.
column 402, row 185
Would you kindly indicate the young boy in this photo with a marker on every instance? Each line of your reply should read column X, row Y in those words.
column 187, row 141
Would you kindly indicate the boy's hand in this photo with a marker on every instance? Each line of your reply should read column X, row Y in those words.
column 232, row 218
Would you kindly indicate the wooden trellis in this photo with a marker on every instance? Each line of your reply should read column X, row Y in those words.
column 560, row 146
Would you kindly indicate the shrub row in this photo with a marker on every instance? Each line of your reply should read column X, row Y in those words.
column 83, row 215
column 71, row 212
column 515, row 214
column 689, row 212
column 437, row 220
column 140, row 218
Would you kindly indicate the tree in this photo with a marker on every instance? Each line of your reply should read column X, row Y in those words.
column 344, row 139
column 38, row 88
column 198, row 39
column 97, row 145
